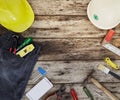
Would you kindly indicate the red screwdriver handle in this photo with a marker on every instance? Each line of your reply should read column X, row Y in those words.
column 74, row 94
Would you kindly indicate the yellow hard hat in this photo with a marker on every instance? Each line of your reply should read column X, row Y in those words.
column 16, row 15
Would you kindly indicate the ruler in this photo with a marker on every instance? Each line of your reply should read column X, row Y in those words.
column 112, row 48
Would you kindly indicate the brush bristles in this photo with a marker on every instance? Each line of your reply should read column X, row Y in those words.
column 103, row 69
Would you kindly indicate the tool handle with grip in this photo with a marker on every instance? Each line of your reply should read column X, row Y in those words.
column 115, row 75
column 26, row 42
column 74, row 94
column 107, row 92
column 88, row 93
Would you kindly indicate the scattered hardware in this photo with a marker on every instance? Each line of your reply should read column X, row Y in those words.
column 25, row 50
column 111, row 63
column 40, row 89
column 107, row 71
column 107, row 92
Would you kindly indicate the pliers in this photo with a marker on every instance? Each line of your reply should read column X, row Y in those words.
column 58, row 94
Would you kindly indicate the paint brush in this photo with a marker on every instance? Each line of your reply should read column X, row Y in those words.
column 107, row 71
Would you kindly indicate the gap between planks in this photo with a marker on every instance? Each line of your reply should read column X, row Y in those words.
column 73, row 71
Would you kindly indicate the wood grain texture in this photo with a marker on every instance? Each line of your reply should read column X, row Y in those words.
column 71, row 47
column 72, row 74
column 75, row 49
column 59, row 7
column 73, row 71
column 66, row 27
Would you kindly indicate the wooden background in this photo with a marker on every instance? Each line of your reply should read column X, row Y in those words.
column 71, row 47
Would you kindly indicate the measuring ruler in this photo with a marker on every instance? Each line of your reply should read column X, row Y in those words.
column 112, row 48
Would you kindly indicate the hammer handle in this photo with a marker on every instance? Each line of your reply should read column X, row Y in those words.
column 107, row 92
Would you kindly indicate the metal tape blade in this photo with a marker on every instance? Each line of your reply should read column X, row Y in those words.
column 112, row 48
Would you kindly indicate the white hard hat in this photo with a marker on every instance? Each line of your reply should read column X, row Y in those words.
column 104, row 14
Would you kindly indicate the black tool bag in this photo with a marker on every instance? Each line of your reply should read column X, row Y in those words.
column 14, row 70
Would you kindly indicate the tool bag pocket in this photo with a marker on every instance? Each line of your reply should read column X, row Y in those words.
column 8, row 58
column 15, row 71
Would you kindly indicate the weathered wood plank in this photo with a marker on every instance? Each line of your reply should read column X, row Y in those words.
column 72, row 71
column 59, row 7
column 66, row 27
column 97, row 94
column 75, row 49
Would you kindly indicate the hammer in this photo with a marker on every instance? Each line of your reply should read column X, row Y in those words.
column 106, row 91
column 101, row 87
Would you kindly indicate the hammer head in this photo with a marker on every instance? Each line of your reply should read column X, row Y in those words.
column 88, row 77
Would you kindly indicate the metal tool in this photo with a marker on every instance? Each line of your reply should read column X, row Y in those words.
column 107, row 92
column 57, row 94
column 111, row 63
column 112, row 48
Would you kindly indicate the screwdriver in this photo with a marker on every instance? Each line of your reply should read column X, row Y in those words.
column 74, row 94
column 85, row 89
column 26, row 42
column 88, row 93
